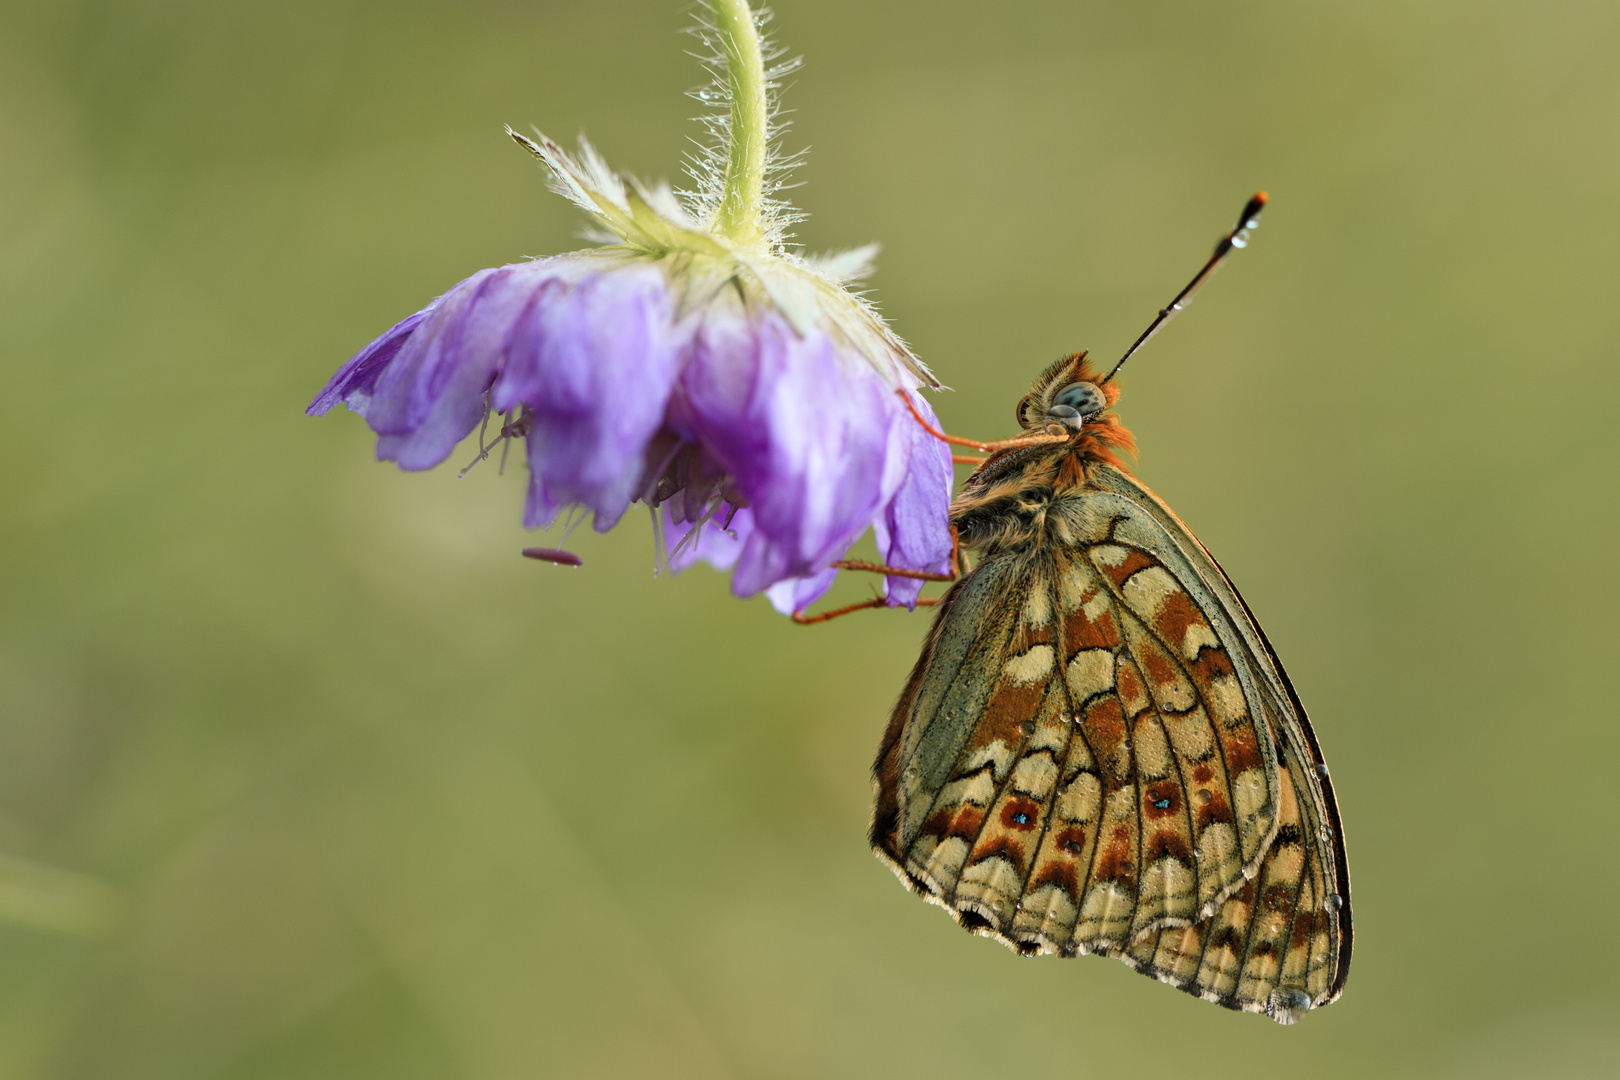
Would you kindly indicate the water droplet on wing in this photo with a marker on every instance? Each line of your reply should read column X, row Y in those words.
column 1287, row 1005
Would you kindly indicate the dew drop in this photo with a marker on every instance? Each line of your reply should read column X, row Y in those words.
column 912, row 773
column 1241, row 240
column 1287, row 1005
column 1028, row 728
column 1333, row 902
column 1321, row 770
column 1204, row 796
column 1326, row 834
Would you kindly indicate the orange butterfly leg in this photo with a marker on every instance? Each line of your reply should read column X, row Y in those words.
column 887, row 571
column 919, row 575
column 807, row 620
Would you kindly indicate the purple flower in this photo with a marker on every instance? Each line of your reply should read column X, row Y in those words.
column 738, row 390
column 694, row 363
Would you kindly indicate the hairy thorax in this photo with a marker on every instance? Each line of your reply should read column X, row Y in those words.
column 1021, row 500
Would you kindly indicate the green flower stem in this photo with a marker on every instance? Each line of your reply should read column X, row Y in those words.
column 744, row 198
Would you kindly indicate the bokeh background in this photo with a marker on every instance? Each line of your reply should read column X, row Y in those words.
column 304, row 773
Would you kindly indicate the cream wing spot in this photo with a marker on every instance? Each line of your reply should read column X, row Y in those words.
column 992, row 886
column 1198, row 636
column 1090, row 672
column 1153, row 758
column 1080, row 800
column 1218, row 863
column 1147, row 590
column 1038, row 608
column 1036, row 775
column 978, row 789
column 945, row 864
column 1109, row 554
column 1076, row 586
column 1029, row 667
column 1249, row 793
column 997, row 755
column 1226, row 700
column 1191, row 735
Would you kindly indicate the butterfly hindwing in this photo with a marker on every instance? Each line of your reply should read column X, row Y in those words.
column 1094, row 754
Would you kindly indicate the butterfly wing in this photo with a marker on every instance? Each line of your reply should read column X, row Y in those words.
column 1097, row 752
column 1310, row 835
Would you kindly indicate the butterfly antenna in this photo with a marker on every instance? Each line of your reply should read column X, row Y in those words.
column 1237, row 238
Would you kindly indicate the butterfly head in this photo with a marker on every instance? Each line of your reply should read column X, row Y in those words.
column 1065, row 397
column 1069, row 398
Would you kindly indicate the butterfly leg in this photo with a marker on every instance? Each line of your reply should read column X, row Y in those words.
column 887, row 571
column 984, row 447
column 918, row 575
column 876, row 602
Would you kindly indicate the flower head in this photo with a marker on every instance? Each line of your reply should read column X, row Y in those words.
column 695, row 363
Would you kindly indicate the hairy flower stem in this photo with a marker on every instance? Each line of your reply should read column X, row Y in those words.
column 740, row 208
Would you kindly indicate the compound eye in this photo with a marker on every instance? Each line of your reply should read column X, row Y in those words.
column 1085, row 398
column 1062, row 420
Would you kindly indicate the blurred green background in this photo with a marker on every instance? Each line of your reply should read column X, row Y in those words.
column 305, row 773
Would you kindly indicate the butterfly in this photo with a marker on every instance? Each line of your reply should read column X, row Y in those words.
column 1098, row 750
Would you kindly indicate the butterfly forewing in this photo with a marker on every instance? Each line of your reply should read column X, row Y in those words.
column 1095, row 754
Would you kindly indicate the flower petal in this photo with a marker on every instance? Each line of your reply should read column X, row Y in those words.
column 803, row 436
column 796, row 594
column 356, row 379
column 594, row 360
column 913, row 529
column 432, row 394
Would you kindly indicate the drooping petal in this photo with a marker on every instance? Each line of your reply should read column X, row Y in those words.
column 432, row 393
column 912, row 531
column 357, row 378
column 802, row 435
column 594, row 360
column 796, row 594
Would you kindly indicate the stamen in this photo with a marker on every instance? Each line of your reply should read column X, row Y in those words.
column 691, row 536
column 658, row 473
column 510, row 429
column 483, row 454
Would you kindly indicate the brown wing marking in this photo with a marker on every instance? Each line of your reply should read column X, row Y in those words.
column 999, row 864
column 1271, row 946
column 1086, row 835
column 935, row 711
column 1046, row 919
column 998, row 700
column 1168, row 847
column 1203, row 709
